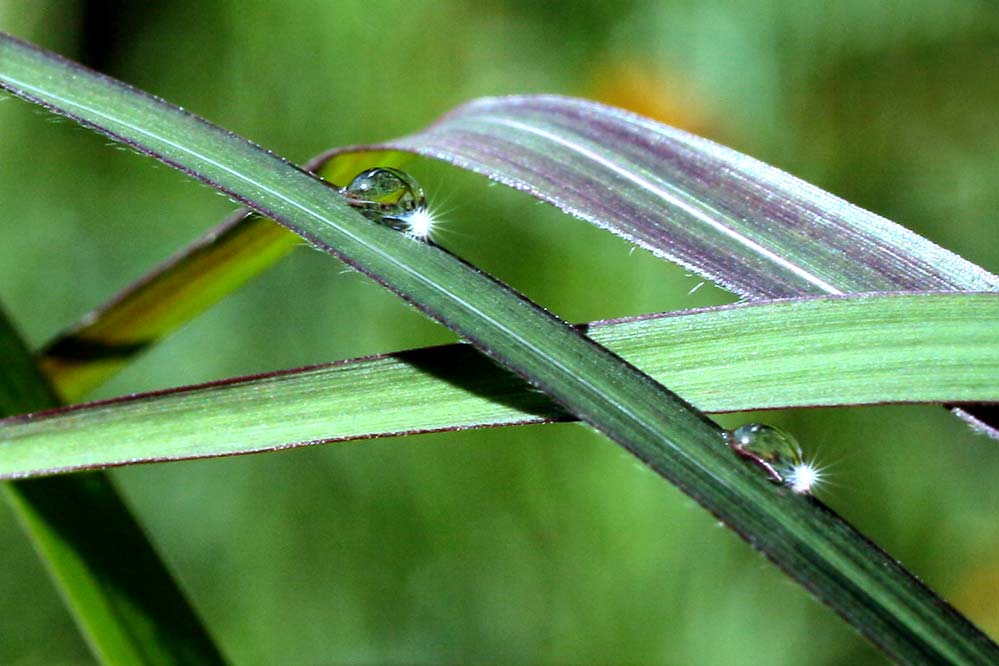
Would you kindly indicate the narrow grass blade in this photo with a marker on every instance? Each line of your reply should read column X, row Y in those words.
column 108, row 339
column 122, row 596
column 817, row 351
column 870, row 589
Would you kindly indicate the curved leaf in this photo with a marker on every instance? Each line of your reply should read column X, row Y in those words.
column 871, row 590
column 751, row 228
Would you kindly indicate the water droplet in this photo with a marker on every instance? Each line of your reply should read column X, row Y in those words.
column 391, row 197
column 777, row 453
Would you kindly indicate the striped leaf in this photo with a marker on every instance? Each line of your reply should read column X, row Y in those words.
column 817, row 351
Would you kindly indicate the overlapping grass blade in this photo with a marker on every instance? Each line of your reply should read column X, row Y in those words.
column 842, row 568
column 749, row 227
column 120, row 593
column 792, row 353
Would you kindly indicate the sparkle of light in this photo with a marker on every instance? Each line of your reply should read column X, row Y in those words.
column 803, row 478
column 421, row 223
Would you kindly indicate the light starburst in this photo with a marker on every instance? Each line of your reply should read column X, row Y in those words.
column 804, row 477
column 420, row 223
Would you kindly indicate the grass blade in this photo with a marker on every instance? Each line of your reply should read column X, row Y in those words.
column 805, row 352
column 813, row 545
column 749, row 227
column 743, row 224
column 121, row 595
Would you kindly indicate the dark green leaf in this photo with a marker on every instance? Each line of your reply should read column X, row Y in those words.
column 812, row 544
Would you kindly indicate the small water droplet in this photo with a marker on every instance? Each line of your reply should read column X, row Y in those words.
column 388, row 196
column 777, row 453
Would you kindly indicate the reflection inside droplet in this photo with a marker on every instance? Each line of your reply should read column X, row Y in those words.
column 391, row 197
column 777, row 453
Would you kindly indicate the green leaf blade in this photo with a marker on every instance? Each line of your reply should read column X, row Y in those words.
column 870, row 590
column 823, row 351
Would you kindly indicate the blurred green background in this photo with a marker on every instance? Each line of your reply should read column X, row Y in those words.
column 528, row 545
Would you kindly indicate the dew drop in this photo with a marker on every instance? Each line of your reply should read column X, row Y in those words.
column 777, row 453
column 391, row 197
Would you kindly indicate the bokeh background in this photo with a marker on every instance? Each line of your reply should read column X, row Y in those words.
column 529, row 545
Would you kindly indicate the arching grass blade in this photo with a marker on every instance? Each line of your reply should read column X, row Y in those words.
column 868, row 588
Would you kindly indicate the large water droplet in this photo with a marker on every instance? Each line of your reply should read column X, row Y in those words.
column 776, row 452
column 388, row 196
